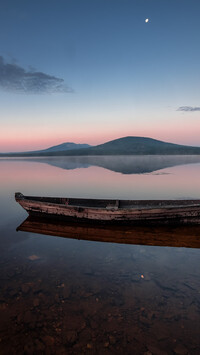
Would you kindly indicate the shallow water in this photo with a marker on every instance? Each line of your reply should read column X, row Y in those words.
column 67, row 296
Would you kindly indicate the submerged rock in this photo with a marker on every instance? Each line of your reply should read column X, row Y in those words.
column 180, row 349
column 25, row 288
column 48, row 340
column 70, row 337
column 33, row 257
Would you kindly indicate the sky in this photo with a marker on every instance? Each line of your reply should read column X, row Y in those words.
column 89, row 71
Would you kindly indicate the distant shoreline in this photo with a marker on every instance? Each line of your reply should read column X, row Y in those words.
column 2, row 156
column 121, row 146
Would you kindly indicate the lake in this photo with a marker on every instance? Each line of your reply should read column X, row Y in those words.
column 70, row 296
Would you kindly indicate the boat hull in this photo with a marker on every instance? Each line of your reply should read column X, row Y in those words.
column 169, row 211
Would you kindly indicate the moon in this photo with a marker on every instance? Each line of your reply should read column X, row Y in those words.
column 146, row 20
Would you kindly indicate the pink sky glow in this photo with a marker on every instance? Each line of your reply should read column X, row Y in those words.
column 24, row 141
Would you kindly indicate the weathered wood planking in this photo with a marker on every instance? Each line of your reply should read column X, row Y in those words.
column 164, row 211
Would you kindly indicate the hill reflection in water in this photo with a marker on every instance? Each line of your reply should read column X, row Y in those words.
column 134, row 164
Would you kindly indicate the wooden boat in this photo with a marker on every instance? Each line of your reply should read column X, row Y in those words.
column 115, row 211
column 187, row 236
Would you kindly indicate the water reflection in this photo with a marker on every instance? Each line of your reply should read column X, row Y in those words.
column 41, row 179
column 70, row 296
column 138, row 164
column 182, row 236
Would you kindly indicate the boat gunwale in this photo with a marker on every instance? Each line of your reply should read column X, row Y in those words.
column 112, row 207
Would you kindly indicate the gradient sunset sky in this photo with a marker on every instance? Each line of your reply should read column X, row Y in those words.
column 88, row 71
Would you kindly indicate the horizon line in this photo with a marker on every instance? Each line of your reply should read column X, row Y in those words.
column 90, row 145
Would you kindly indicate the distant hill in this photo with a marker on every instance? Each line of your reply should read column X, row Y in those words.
column 135, row 146
column 121, row 146
column 65, row 146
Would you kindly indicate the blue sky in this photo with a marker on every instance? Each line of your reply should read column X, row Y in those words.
column 91, row 71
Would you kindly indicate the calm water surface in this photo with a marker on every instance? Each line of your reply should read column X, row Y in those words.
column 66, row 296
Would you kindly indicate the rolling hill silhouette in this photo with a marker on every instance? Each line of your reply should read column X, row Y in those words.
column 120, row 146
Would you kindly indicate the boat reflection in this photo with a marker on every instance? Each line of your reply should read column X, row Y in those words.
column 165, row 236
